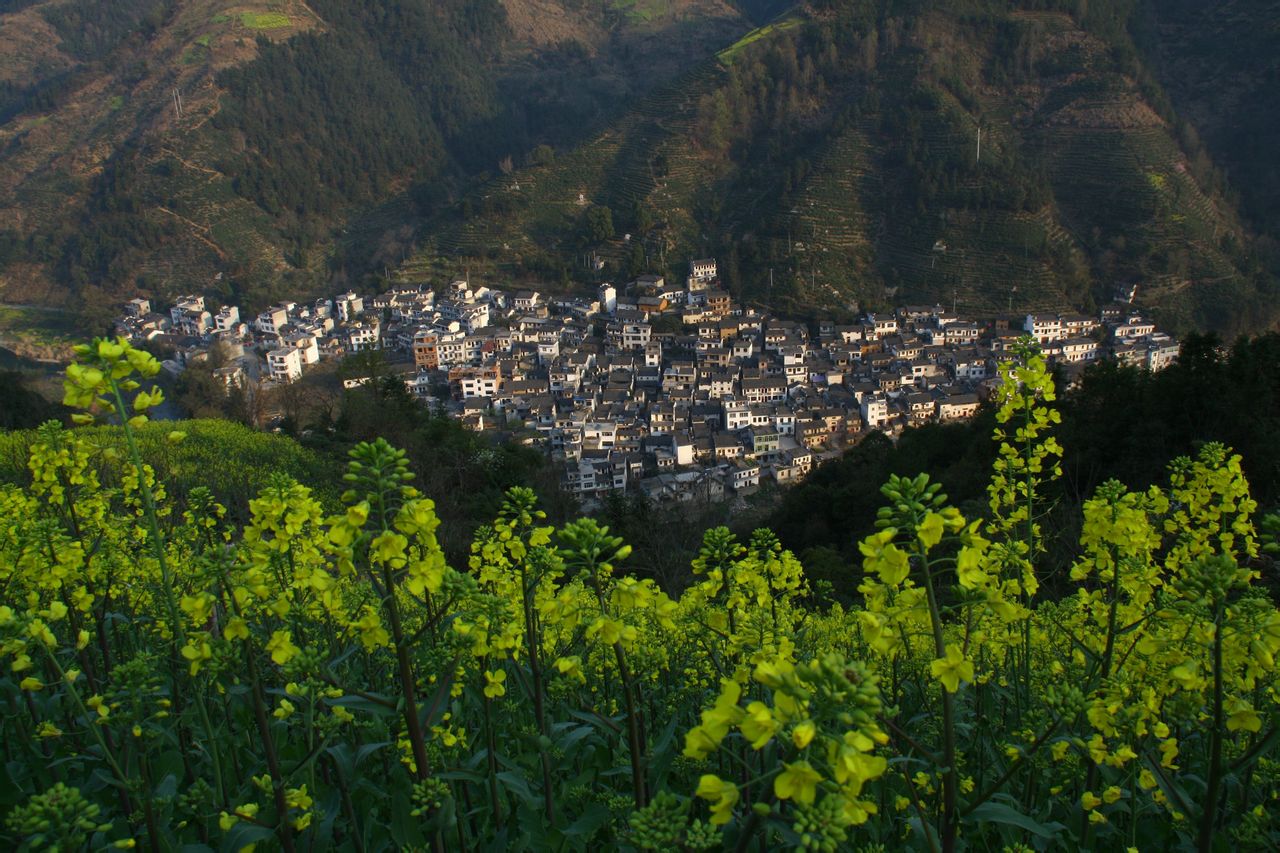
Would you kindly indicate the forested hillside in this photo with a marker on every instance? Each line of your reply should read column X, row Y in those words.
column 202, row 145
column 1225, row 97
column 839, row 148
column 829, row 158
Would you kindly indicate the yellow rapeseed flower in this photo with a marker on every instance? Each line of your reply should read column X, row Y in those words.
column 494, row 687
column 930, row 530
column 798, row 781
column 282, row 648
column 1240, row 715
column 759, row 725
column 724, row 796
column 952, row 669
column 883, row 558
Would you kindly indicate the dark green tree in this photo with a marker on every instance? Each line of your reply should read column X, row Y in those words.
column 599, row 224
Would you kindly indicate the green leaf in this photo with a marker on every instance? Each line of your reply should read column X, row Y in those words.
column 515, row 782
column 104, row 778
column 993, row 812
column 603, row 723
column 243, row 834
column 167, row 788
column 359, row 703
column 369, row 749
column 591, row 820
column 404, row 826
column 573, row 737
column 663, row 753
column 321, row 838
column 10, row 790
column 341, row 753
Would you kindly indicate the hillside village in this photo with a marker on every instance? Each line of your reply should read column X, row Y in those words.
column 671, row 390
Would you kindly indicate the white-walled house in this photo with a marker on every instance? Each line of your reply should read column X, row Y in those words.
column 745, row 474
column 307, row 347
column 285, row 364
column 190, row 316
column 957, row 406
column 1132, row 328
column 875, row 411
column 348, row 306
column 1075, row 350
column 608, row 295
column 270, row 321
column 227, row 319
column 363, row 336
column 1045, row 328
column 703, row 269
column 1162, row 351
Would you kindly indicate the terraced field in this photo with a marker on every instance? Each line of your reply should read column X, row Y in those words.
column 541, row 207
column 1080, row 185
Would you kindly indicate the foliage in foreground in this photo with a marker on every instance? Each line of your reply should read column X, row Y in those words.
column 331, row 682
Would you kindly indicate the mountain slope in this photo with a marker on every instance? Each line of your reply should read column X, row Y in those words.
column 299, row 123
column 1228, row 98
column 830, row 158
column 841, row 152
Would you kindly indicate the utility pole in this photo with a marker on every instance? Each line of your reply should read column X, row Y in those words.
column 978, row 156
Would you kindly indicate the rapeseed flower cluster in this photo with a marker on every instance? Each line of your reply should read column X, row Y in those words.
column 320, row 672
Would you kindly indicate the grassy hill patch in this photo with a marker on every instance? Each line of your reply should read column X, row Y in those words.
column 730, row 53
column 265, row 20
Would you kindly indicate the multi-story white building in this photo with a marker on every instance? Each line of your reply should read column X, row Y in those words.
column 306, row 345
column 451, row 349
column 190, row 317
column 481, row 383
column 703, row 269
column 1132, row 328
column 737, row 413
column 285, row 364
column 474, row 317
column 1162, row 351
column 1075, row 350
column 348, row 306
column 227, row 319
column 636, row 335
column 875, row 411
column 364, row 335
column 745, row 474
column 1078, row 325
column 269, row 322
column 884, row 326
column 957, row 406
column 1045, row 328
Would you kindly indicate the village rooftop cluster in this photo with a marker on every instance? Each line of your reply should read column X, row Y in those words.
column 674, row 391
